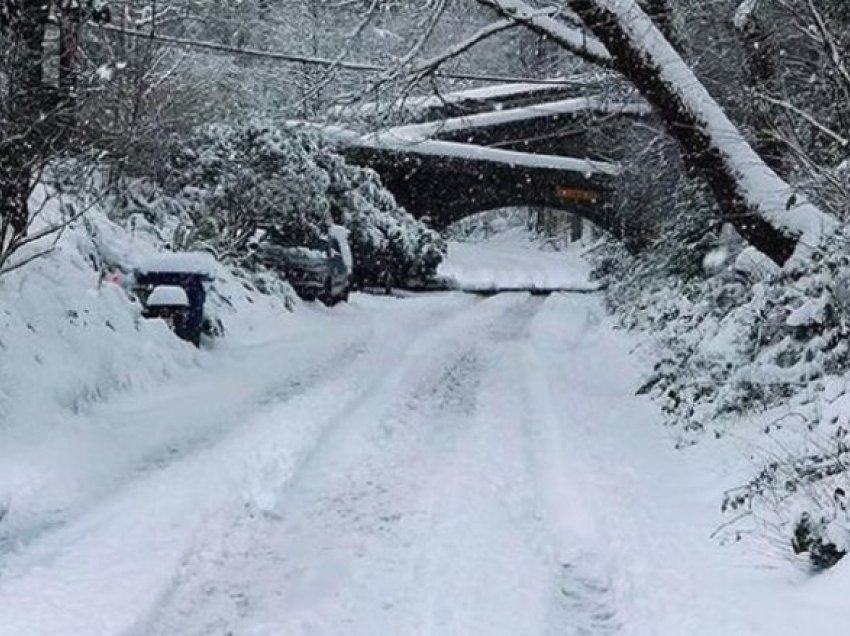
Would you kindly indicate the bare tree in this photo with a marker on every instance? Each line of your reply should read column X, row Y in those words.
column 35, row 109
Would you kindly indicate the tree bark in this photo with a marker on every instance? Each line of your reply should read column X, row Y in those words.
column 662, row 14
column 70, row 25
column 751, row 196
column 26, row 100
column 701, row 155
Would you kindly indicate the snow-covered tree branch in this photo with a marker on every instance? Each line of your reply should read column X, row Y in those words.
column 763, row 207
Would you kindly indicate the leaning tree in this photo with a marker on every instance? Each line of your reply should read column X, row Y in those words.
column 637, row 41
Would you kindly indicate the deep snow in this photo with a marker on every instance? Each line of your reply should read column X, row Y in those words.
column 510, row 258
column 440, row 464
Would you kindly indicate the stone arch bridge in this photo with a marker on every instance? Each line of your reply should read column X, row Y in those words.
column 472, row 151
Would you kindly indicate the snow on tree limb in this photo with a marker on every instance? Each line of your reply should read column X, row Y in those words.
column 759, row 187
column 744, row 12
column 763, row 207
column 570, row 37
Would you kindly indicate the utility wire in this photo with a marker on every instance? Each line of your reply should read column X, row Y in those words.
column 315, row 61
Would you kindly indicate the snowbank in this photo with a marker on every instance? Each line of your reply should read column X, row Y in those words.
column 184, row 262
column 761, row 356
column 72, row 339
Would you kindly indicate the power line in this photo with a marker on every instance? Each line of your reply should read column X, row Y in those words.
column 293, row 58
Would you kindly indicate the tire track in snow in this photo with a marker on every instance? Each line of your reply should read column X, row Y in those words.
column 278, row 393
column 568, row 585
column 587, row 602
column 638, row 532
column 348, row 519
column 583, row 602
column 76, row 567
column 134, row 436
column 19, row 538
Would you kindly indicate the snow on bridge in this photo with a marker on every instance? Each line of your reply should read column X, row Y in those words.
column 454, row 166
column 395, row 140
column 559, row 110
column 472, row 99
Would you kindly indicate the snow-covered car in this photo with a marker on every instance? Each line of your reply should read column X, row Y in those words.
column 322, row 271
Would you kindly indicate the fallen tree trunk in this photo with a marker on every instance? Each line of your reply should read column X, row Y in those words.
column 752, row 197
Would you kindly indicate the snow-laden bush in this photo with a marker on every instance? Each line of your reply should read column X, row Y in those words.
column 732, row 343
column 746, row 339
column 239, row 186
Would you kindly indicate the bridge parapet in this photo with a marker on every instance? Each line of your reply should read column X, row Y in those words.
column 438, row 106
column 448, row 169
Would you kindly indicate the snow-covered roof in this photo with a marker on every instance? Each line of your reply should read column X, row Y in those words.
column 168, row 296
column 183, row 262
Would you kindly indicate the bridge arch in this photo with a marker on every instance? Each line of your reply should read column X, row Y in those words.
column 494, row 147
column 443, row 190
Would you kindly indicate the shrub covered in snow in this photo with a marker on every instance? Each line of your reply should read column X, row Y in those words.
column 737, row 341
column 236, row 187
column 746, row 339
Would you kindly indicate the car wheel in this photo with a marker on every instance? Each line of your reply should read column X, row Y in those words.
column 327, row 294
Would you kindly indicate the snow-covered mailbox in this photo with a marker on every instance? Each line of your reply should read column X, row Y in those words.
column 171, row 303
column 173, row 286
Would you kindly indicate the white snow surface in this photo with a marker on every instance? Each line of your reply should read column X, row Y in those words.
column 571, row 106
column 573, row 37
column 441, row 465
column 389, row 140
column 168, row 296
column 422, row 103
column 341, row 233
column 396, row 140
column 183, row 262
column 520, row 264
column 744, row 12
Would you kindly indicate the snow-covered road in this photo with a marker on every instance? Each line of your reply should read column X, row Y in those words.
column 437, row 465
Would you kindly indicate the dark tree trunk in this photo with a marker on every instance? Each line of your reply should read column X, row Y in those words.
column 70, row 25
column 761, row 55
column 26, row 107
column 701, row 155
column 576, row 226
column 662, row 14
